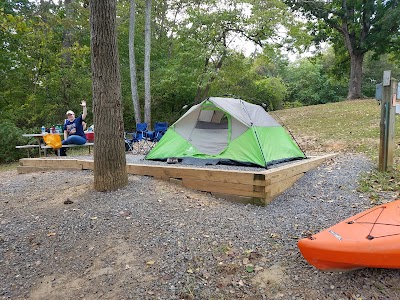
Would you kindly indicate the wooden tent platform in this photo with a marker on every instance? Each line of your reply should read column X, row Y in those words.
column 259, row 187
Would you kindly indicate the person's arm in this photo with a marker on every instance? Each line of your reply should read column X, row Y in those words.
column 65, row 130
column 84, row 113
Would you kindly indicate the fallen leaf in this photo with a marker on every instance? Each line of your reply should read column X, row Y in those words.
column 249, row 268
column 51, row 234
column 150, row 262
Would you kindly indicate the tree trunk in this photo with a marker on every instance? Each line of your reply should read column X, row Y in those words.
column 356, row 60
column 132, row 63
column 147, row 49
column 67, row 39
column 109, row 150
column 355, row 84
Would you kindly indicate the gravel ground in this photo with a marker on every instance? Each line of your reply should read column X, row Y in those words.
column 60, row 239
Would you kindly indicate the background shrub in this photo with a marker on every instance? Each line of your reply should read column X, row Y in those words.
column 10, row 136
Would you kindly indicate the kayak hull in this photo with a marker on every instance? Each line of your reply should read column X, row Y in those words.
column 370, row 239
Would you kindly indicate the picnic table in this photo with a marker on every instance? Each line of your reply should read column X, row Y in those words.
column 40, row 143
column 43, row 147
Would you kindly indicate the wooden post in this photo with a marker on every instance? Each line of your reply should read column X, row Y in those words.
column 388, row 109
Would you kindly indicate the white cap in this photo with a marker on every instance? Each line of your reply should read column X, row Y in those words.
column 70, row 112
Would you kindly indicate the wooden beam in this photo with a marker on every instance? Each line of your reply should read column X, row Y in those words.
column 225, row 176
column 87, row 164
column 292, row 169
column 240, row 199
column 250, row 187
column 51, row 163
column 32, row 169
column 224, row 187
column 273, row 190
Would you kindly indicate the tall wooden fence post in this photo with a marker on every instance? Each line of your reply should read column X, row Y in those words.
column 388, row 109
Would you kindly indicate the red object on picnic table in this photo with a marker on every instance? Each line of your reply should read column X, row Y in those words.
column 90, row 136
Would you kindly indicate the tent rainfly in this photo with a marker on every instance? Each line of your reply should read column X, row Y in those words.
column 227, row 131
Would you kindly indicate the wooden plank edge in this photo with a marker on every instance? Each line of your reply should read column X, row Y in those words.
column 278, row 174
column 86, row 164
column 32, row 169
column 224, row 188
column 240, row 199
column 53, row 163
column 274, row 190
column 224, row 176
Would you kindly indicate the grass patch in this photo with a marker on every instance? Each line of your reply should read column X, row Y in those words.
column 9, row 167
column 342, row 126
column 347, row 126
column 375, row 182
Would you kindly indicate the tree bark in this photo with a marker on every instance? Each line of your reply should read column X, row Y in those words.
column 67, row 38
column 355, row 83
column 356, row 61
column 147, row 50
column 109, row 151
column 132, row 62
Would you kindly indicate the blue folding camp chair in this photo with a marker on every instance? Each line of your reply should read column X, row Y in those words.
column 139, row 143
column 159, row 130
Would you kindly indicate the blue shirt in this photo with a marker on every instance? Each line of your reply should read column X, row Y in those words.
column 75, row 124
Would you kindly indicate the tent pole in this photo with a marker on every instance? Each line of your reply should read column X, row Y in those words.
column 255, row 133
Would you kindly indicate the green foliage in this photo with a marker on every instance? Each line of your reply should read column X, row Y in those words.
column 272, row 90
column 373, row 71
column 309, row 83
column 377, row 34
column 10, row 136
column 43, row 77
column 44, row 73
column 258, row 82
column 287, row 104
column 362, row 25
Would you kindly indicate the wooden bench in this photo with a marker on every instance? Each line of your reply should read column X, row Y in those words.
column 45, row 147
column 27, row 147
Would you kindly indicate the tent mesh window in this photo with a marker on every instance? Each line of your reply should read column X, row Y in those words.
column 212, row 119
column 216, row 123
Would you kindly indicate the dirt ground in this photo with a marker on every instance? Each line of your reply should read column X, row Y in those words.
column 60, row 239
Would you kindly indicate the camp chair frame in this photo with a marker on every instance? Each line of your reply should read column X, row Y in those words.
column 139, row 143
column 159, row 130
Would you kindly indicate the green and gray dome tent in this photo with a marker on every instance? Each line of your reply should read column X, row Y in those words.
column 229, row 131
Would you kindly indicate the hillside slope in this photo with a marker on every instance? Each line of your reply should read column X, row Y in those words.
column 348, row 126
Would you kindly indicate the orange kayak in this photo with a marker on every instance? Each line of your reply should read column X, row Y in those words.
column 370, row 239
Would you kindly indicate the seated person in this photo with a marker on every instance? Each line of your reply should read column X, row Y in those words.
column 73, row 129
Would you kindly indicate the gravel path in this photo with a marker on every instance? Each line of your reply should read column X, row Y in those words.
column 60, row 239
